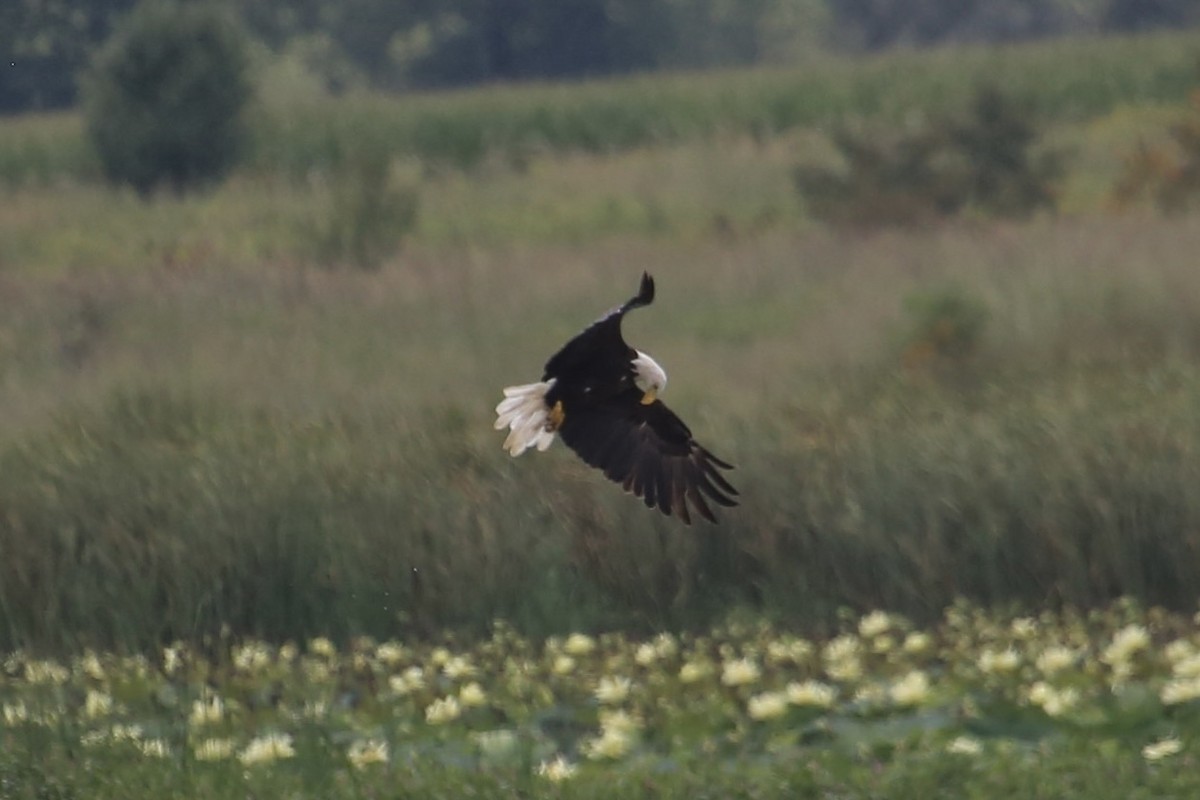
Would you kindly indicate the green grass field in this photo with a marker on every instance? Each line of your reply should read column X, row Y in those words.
column 220, row 436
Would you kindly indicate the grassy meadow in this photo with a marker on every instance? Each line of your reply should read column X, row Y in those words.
column 238, row 472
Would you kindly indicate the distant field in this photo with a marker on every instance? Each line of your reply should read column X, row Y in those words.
column 296, row 132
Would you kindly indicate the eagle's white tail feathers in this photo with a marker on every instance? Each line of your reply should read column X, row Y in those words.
column 523, row 410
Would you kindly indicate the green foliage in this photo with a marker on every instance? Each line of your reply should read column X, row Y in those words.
column 368, row 215
column 922, row 172
column 166, row 95
column 945, row 327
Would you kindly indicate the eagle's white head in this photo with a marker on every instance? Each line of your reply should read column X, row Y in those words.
column 649, row 377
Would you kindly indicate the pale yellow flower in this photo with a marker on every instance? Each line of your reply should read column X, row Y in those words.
column 768, row 705
column 1156, row 751
column 1188, row 667
column 811, row 693
column 1125, row 643
column 739, row 672
column 911, row 690
column 1023, row 627
column 646, row 654
column 15, row 713
column 154, row 748
column 90, row 665
column 965, row 745
column 563, row 665
column 207, row 710
column 610, row 744
column 613, row 690
column 1055, row 702
column 268, row 748
column 38, row 672
column 472, row 695
column 447, row 709
column 843, row 658
column 1055, row 658
column 214, row 749
column 557, row 769
column 993, row 662
column 321, row 646
column 172, row 658
column 251, row 656
column 365, row 752
column 579, row 644
column 97, row 704
column 1180, row 690
column 693, row 671
column 390, row 653
column 1178, row 650
column 458, row 667
column 498, row 745
column 917, row 642
column 874, row 624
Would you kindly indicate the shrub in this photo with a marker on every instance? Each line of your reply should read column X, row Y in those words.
column 165, row 97
column 368, row 215
column 985, row 160
column 1168, row 171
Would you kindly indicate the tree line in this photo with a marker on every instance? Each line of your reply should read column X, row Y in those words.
column 419, row 44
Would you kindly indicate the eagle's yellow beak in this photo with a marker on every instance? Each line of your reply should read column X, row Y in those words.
column 649, row 397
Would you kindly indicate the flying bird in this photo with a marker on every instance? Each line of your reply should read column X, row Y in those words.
column 601, row 396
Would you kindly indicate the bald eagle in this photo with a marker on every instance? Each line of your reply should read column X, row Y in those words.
column 601, row 396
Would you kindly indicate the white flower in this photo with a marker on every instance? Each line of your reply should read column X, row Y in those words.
column 811, row 693
column 1125, row 643
column 1188, row 667
column 611, row 691
column 739, row 672
column 646, row 654
column 154, row 748
column 458, row 667
column 446, row 709
column 579, row 644
column 1055, row 658
column 768, row 705
column 390, row 653
column 365, row 752
column 265, row 749
column 557, row 769
column 874, row 624
column 1156, row 751
column 97, row 704
column 998, row 662
column 611, row 743
column 563, row 665
column 693, row 671
column 472, row 695
column 917, row 642
column 1023, row 627
column 206, row 710
column 1180, row 690
column 214, row 749
column 321, row 646
column 843, row 659
column 965, row 745
column 251, row 656
column 15, row 713
column 910, row 690
column 498, row 745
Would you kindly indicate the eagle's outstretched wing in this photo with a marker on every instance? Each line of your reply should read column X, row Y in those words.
column 651, row 453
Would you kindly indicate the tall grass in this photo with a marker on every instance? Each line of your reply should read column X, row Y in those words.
column 314, row 451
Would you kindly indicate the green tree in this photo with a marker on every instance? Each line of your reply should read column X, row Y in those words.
column 165, row 98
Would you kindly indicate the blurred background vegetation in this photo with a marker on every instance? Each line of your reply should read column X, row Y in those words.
column 263, row 273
